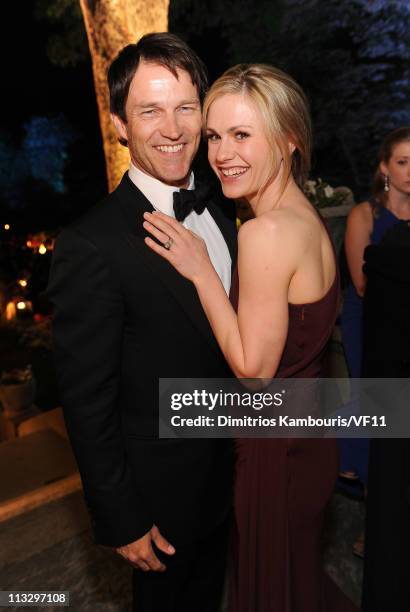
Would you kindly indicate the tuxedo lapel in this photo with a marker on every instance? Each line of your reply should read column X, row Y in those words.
column 133, row 204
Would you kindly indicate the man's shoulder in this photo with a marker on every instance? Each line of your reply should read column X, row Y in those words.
column 100, row 215
column 100, row 220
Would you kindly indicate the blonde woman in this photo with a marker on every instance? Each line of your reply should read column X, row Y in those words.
column 285, row 298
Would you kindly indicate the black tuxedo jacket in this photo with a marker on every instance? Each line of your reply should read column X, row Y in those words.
column 123, row 317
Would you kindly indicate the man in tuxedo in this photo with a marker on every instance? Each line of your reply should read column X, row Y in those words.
column 124, row 318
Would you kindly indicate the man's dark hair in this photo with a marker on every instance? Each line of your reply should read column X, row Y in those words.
column 159, row 48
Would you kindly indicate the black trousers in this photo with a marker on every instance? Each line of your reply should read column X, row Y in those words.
column 192, row 582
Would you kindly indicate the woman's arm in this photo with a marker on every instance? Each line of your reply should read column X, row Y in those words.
column 252, row 340
column 357, row 237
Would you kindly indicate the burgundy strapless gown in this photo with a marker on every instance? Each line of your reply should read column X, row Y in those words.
column 281, row 489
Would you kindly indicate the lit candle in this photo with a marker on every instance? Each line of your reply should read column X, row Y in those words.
column 10, row 311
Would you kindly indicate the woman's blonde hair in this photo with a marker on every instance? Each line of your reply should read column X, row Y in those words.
column 284, row 109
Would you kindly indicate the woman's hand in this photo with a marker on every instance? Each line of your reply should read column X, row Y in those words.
column 183, row 249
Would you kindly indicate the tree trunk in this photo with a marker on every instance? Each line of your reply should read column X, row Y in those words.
column 110, row 25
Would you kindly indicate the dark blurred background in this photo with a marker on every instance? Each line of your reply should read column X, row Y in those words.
column 352, row 57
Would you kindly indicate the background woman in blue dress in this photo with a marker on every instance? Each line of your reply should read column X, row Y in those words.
column 367, row 224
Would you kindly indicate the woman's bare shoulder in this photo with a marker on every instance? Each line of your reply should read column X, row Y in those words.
column 361, row 213
column 266, row 225
column 278, row 229
column 271, row 221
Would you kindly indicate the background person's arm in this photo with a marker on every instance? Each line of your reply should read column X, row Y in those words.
column 357, row 238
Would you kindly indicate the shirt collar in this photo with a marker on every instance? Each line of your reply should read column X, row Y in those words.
column 159, row 194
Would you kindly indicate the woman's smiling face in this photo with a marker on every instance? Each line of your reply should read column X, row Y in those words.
column 238, row 149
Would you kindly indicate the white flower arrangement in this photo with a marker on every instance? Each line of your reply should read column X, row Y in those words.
column 321, row 194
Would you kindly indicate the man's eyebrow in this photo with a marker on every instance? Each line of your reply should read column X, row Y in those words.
column 155, row 103
column 146, row 104
column 190, row 101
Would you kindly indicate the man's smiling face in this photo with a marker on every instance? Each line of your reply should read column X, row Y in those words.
column 163, row 127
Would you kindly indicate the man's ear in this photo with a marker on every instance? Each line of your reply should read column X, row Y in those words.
column 120, row 128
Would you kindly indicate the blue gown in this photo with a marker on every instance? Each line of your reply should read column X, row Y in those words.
column 354, row 452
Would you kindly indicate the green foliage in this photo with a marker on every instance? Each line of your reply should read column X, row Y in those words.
column 244, row 28
column 67, row 44
column 14, row 169
column 45, row 147
column 352, row 58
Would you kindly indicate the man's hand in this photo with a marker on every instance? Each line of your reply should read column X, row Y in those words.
column 141, row 554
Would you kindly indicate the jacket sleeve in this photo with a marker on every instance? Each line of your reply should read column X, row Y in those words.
column 87, row 337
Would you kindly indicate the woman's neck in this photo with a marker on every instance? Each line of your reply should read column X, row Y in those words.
column 273, row 197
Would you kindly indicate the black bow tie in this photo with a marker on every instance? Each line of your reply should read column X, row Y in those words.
column 187, row 200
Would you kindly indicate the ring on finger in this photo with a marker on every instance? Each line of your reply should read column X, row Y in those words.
column 168, row 243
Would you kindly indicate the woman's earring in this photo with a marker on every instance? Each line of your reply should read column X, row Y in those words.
column 386, row 183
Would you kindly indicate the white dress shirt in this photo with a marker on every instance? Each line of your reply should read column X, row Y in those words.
column 161, row 197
